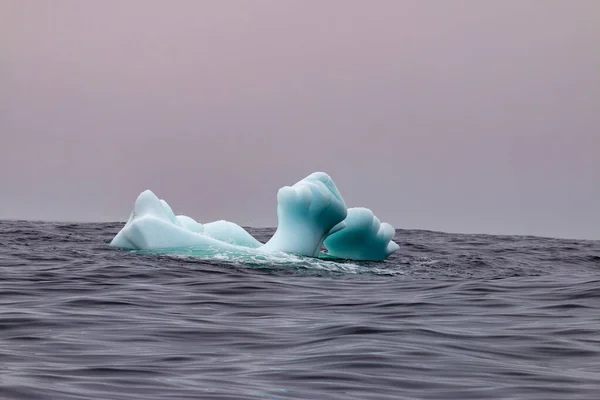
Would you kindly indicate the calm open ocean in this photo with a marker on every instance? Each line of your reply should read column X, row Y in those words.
column 448, row 316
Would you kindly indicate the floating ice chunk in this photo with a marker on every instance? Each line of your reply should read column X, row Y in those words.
column 363, row 237
column 231, row 233
column 310, row 213
column 146, row 204
column 153, row 226
column 306, row 213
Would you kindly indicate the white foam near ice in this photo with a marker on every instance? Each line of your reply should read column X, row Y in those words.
column 310, row 213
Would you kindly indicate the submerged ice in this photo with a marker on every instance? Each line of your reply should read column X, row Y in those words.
column 311, row 214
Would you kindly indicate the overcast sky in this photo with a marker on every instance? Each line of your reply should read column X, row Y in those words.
column 460, row 116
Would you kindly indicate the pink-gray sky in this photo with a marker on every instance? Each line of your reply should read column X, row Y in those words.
column 463, row 116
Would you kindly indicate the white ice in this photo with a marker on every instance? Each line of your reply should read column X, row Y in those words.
column 153, row 226
column 310, row 213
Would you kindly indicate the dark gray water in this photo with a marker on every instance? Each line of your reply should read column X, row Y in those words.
column 447, row 317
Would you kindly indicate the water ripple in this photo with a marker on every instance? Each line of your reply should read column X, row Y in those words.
column 447, row 317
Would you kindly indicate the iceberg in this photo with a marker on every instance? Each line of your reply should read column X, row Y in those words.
column 311, row 214
column 363, row 238
column 153, row 226
column 306, row 213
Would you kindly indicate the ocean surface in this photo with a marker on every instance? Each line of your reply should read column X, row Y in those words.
column 449, row 316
